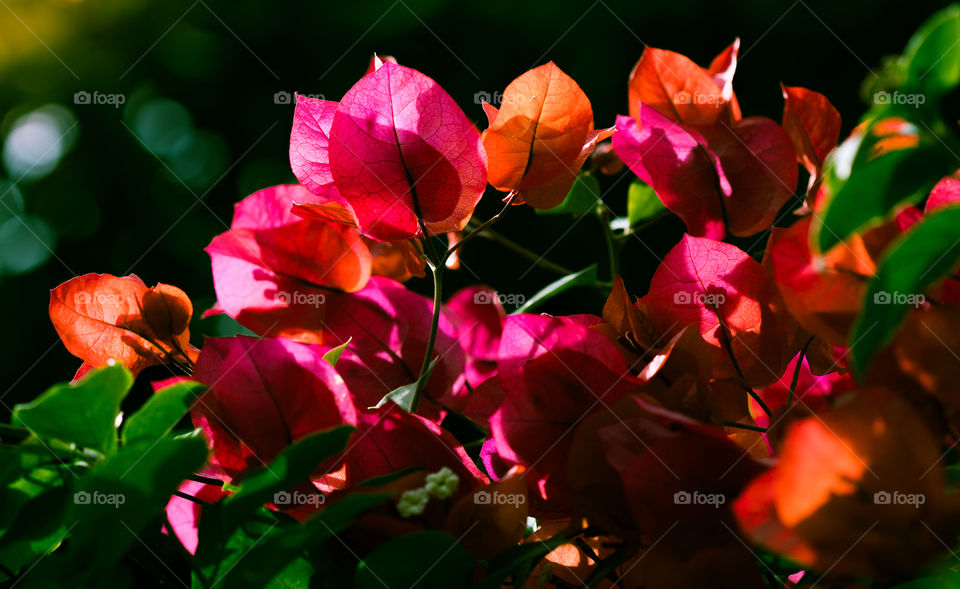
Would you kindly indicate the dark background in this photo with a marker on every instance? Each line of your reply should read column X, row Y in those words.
column 200, row 120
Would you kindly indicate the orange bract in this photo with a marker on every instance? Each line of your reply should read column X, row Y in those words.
column 101, row 317
column 540, row 136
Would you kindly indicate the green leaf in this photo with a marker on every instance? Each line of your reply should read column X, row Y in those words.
column 113, row 506
column 422, row 559
column 865, row 193
column 583, row 197
column 585, row 277
column 915, row 261
column 931, row 59
column 291, row 467
column 403, row 395
column 944, row 580
column 517, row 562
column 272, row 554
column 334, row 354
column 82, row 413
column 642, row 202
column 161, row 412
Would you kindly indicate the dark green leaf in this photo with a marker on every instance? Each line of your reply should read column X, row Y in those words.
column 403, row 395
column 424, row 559
column 585, row 277
column 876, row 186
column 517, row 562
column 290, row 468
column 161, row 412
column 583, row 197
column 82, row 413
column 926, row 254
column 272, row 554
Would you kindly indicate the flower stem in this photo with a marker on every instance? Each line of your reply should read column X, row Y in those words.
column 437, row 271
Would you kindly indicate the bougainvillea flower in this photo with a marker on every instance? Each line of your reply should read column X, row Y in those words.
column 540, row 137
column 390, row 439
column 925, row 350
column 554, row 372
column 683, row 91
column 264, row 394
column 400, row 148
column 945, row 193
column 184, row 514
column 488, row 528
column 719, row 288
column 719, row 179
column 684, row 137
column 478, row 316
column 814, row 127
column 857, row 491
column 387, row 327
column 100, row 317
column 824, row 294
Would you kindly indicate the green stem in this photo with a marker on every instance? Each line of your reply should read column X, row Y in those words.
column 796, row 371
column 437, row 271
column 612, row 246
column 754, row 428
column 483, row 226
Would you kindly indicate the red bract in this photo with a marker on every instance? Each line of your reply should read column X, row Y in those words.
column 274, row 271
column 814, row 127
column 390, row 439
column 264, row 394
column 824, row 293
column 720, row 174
column 100, row 318
column 540, row 137
column 554, row 372
column 400, row 148
column 719, row 288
